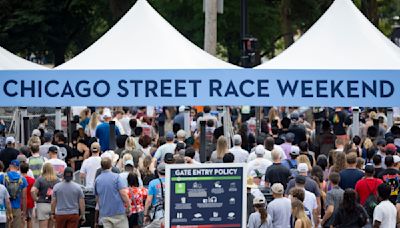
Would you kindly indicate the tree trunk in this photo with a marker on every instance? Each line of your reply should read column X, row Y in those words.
column 286, row 23
column 59, row 54
column 370, row 10
column 210, row 27
column 119, row 8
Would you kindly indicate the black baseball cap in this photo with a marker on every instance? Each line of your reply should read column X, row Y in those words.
column 53, row 149
column 68, row 174
column 300, row 179
column 369, row 169
column 169, row 158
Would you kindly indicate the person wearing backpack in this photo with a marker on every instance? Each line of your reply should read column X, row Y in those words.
column 366, row 189
column 36, row 161
column 16, row 186
column 291, row 163
column 155, row 199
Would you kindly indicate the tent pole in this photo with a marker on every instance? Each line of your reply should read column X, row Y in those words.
column 186, row 124
column 226, row 119
column 17, row 125
column 112, row 139
column 203, row 141
column 27, row 130
column 24, row 113
column 356, row 121
column 389, row 117
column 58, row 119
column 258, row 121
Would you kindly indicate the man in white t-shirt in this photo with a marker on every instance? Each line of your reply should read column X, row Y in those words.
column 125, row 122
column 58, row 164
column 91, row 165
column 240, row 154
column 252, row 155
column 260, row 163
column 385, row 212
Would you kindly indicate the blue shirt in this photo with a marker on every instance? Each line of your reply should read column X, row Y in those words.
column 349, row 178
column 84, row 122
column 106, row 187
column 16, row 203
column 103, row 134
column 292, row 165
column 155, row 190
column 180, row 119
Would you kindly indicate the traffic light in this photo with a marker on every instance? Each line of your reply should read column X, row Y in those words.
column 250, row 52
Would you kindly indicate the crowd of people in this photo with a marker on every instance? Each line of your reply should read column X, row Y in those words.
column 305, row 168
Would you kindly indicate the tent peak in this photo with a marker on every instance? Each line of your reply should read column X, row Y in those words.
column 143, row 39
column 342, row 38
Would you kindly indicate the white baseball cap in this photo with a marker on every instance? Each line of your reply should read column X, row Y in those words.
column 107, row 113
column 260, row 150
column 295, row 151
column 396, row 158
column 181, row 134
column 10, row 140
column 302, row 168
column 36, row 132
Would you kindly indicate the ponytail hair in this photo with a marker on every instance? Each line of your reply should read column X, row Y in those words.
column 263, row 212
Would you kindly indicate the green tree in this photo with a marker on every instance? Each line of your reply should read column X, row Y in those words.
column 50, row 25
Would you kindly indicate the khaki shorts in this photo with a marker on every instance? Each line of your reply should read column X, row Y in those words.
column 43, row 211
column 115, row 221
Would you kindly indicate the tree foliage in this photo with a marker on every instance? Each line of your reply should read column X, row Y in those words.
column 63, row 29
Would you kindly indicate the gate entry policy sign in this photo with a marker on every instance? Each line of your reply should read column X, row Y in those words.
column 206, row 195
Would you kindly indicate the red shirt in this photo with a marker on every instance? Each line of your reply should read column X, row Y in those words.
column 29, row 202
column 366, row 186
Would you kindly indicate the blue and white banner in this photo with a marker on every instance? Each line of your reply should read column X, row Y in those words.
column 369, row 88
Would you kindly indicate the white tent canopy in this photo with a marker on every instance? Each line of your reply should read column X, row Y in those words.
column 9, row 61
column 343, row 38
column 142, row 39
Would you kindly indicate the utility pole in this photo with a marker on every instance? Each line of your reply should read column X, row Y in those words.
column 210, row 29
column 244, row 27
column 249, row 54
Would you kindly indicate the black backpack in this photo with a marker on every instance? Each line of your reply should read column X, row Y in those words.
column 371, row 202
